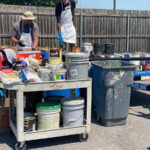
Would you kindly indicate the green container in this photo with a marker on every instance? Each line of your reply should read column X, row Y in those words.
column 49, row 105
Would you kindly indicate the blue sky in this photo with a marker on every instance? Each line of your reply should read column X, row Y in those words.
column 120, row 4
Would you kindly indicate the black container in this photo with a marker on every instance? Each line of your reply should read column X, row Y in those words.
column 109, row 49
column 99, row 49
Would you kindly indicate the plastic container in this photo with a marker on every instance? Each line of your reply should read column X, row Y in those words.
column 109, row 49
column 44, row 74
column 64, row 93
column 147, row 62
column 112, row 82
column 55, row 67
column 48, row 115
column 53, row 98
column 77, row 66
column 59, row 75
column 99, row 49
column 146, row 68
column 45, row 55
column 87, row 48
column 73, row 111
column 55, row 56
column 134, row 55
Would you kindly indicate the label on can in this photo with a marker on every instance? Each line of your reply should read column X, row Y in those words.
column 55, row 53
column 74, row 72
column 60, row 77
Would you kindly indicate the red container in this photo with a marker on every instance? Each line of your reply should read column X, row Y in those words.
column 146, row 68
column 28, row 54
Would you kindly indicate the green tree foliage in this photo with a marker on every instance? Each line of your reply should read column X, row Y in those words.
column 48, row 3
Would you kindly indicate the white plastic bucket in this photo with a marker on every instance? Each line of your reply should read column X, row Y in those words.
column 73, row 111
column 77, row 66
column 55, row 67
column 59, row 75
column 87, row 48
column 48, row 118
column 136, row 63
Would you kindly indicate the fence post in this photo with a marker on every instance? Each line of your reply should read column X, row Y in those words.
column 81, row 29
column 128, row 32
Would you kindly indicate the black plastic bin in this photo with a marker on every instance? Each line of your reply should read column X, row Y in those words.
column 112, row 82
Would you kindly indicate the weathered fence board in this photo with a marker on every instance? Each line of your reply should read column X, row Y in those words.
column 99, row 26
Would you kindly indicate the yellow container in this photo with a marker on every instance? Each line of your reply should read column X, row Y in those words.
column 55, row 56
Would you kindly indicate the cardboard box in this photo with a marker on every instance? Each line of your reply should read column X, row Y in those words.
column 4, row 117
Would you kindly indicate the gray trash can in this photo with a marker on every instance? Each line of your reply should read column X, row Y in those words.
column 112, row 82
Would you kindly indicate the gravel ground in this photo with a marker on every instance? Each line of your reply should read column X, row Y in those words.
column 135, row 135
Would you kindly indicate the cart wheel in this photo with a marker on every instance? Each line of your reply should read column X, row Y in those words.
column 19, row 147
column 83, row 137
column 96, row 115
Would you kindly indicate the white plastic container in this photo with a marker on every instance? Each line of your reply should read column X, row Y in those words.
column 44, row 74
column 73, row 111
column 55, row 67
column 59, row 75
column 48, row 115
column 87, row 48
column 134, row 55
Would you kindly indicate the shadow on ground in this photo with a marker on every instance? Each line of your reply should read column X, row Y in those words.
column 139, row 98
column 11, row 141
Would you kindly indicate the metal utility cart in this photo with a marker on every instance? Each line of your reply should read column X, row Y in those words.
column 17, row 123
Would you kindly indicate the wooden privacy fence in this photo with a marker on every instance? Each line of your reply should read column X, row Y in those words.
column 128, row 30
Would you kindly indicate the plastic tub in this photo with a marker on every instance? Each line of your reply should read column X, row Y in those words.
column 77, row 66
column 73, row 111
column 48, row 115
column 59, row 75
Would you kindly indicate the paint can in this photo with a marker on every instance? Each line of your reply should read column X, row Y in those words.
column 76, row 50
column 29, row 122
column 87, row 48
column 55, row 56
column 59, row 75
